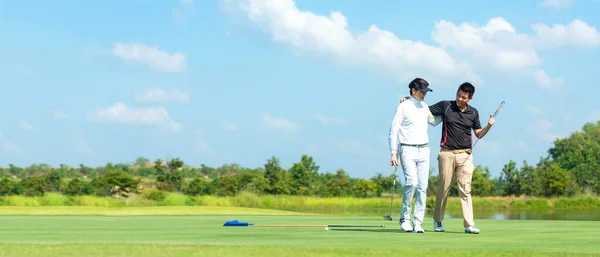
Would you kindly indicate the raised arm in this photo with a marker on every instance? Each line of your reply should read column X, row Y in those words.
column 481, row 132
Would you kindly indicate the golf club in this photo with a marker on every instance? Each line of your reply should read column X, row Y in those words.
column 392, row 189
column 476, row 140
column 236, row 223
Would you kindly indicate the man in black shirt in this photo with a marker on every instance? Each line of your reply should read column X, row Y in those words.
column 458, row 118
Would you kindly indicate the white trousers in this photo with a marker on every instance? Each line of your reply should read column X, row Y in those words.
column 415, row 164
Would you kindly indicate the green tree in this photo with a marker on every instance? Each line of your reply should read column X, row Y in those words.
column 227, row 185
column 579, row 155
column 363, row 188
column 280, row 181
column 512, row 179
column 78, row 186
column 532, row 180
column 141, row 161
column 52, row 181
column 482, row 184
column 9, row 187
column 115, row 183
column 301, row 179
column 197, row 187
column 339, row 185
column 556, row 179
column 33, row 186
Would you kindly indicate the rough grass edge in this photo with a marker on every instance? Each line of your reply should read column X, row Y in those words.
column 307, row 204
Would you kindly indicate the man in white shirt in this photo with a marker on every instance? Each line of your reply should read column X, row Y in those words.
column 410, row 124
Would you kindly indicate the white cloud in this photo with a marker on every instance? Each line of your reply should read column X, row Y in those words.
column 160, row 95
column 461, row 50
column 10, row 147
column 556, row 3
column 352, row 146
column 203, row 147
column 26, row 126
column 499, row 45
column 595, row 116
column 330, row 120
column 496, row 43
column 490, row 146
column 546, row 82
column 228, row 126
column 81, row 145
column 542, row 129
column 313, row 149
column 58, row 115
column 375, row 49
column 150, row 56
column 576, row 33
column 278, row 123
column 123, row 114
column 523, row 145
column 533, row 110
column 179, row 14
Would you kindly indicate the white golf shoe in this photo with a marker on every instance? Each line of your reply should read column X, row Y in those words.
column 471, row 230
column 405, row 225
column 418, row 228
column 438, row 227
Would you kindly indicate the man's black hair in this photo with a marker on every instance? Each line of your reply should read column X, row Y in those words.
column 467, row 88
column 417, row 83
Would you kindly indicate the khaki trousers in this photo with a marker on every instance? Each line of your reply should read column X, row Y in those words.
column 450, row 162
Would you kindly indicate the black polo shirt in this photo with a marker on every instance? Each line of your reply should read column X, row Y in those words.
column 457, row 124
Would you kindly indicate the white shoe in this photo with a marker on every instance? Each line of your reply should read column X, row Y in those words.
column 419, row 229
column 405, row 225
column 438, row 227
column 471, row 230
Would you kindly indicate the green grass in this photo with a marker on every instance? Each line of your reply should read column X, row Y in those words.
column 128, row 211
column 132, row 234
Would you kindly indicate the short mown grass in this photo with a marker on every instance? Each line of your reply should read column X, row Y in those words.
column 204, row 235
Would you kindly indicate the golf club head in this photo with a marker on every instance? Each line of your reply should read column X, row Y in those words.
column 387, row 217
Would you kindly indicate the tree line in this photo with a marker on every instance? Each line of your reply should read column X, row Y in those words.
column 571, row 167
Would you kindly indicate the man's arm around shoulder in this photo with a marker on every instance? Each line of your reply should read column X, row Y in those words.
column 433, row 120
column 438, row 108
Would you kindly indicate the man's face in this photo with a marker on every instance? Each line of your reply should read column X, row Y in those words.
column 462, row 98
column 418, row 94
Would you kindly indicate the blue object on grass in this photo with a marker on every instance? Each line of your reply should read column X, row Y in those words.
column 236, row 223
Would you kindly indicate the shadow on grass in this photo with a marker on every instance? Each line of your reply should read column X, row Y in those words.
column 389, row 230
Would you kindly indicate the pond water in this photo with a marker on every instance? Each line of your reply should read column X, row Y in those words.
column 495, row 214
column 561, row 214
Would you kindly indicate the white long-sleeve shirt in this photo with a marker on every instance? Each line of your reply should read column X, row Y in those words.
column 410, row 124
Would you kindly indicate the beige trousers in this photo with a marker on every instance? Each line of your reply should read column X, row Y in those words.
column 450, row 163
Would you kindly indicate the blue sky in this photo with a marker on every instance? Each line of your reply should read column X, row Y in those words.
column 234, row 81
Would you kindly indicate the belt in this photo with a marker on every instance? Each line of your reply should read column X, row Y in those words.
column 456, row 151
column 417, row 145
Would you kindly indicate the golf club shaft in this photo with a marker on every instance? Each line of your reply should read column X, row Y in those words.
column 476, row 140
column 392, row 189
column 354, row 226
column 287, row 225
column 314, row 225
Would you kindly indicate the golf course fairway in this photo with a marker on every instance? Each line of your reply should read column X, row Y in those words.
column 140, row 232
